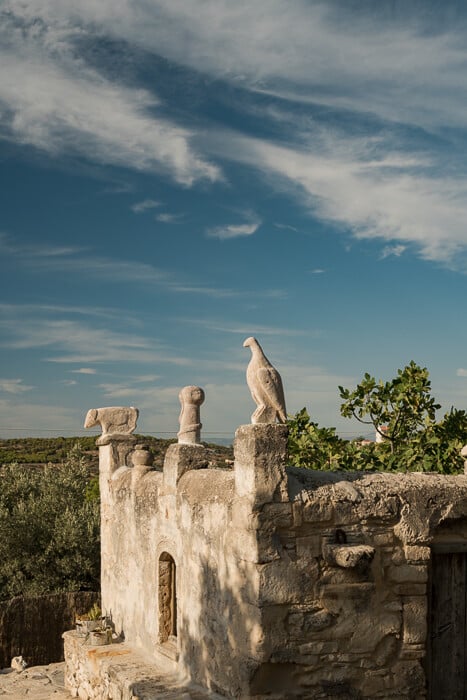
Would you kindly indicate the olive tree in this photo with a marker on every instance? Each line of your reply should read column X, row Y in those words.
column 49, row 529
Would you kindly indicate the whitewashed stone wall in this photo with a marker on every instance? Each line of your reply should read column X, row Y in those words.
column 288, row 582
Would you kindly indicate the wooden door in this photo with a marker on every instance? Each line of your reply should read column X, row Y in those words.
column 447, row 628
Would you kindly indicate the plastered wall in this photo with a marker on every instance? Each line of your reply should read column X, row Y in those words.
column 289, row 582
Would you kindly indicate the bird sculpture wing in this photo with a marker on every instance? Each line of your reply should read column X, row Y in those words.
column 271, row 385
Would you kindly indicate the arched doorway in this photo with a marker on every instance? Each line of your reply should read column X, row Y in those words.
column 167, row 599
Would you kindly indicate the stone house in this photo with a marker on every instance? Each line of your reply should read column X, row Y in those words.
column 266, row 581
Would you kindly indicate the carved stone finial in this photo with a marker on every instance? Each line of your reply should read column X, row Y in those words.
column 191, row 398
column 117, row 422
column 265, row 385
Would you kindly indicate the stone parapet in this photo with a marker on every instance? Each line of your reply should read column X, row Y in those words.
column 179, row 459
column 260, row 460
column 119, row 672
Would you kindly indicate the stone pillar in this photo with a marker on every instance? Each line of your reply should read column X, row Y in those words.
column 260, row 461
column 179, row 459
column 114, row 452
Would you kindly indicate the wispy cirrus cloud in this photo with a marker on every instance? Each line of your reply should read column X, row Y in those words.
column 14, row 386
column 145, row 205
column 369, row 188
column 246, row 330
column 224, row 232
column 113, row 270
column 407, row 65
column 54, row 101
column 84, row 370
column 20, row 418
column 64, row 340
column 36, row 250
column 168, row 218
column 395, row 250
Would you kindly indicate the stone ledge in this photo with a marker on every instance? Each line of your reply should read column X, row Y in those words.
column 119, row 672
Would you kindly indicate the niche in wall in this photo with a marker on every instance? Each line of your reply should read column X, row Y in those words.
column 167, row 599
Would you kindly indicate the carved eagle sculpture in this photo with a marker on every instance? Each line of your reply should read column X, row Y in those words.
column 265, row 385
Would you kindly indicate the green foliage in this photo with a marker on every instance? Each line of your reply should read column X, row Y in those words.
column 404, row 405
column 38, row 451
column 92, row 490
column 42, row 450
column 312, row 446
column 414, row 440
column 49, row 529
column 94, row 613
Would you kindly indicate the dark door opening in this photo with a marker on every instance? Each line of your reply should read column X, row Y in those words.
column 447, row 627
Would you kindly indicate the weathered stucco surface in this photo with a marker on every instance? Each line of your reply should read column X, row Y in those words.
column 287, row 582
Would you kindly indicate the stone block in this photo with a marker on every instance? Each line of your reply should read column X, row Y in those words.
column 297, row 514
column 373, row 685
column 349, row 556
column 382, row 539
column 179, row 459
column 260, row 459
column 410, row 589
column 415, row 620
column 115, row 453
column 416, row 554
column 281, row 582
column 309, row 547
column 278, row 515
column 318, row 647
column 346, row 596
column 317, row 511
column 409, row 675
column 408, row 573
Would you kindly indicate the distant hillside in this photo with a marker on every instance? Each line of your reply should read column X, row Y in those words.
column 40, row 451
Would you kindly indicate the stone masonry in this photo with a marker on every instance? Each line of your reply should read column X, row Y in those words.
column 265, row 581
column 269, row 581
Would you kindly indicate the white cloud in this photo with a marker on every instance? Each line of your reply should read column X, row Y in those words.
column 107, row 269
column 70, row 341
column 233, row 230
column 14, row 386
column 25, row 419
column 407, row 66
column 404, row 68
column 287, row 227
column 142, row 396
column 461, row 372
column 84, row 370
column 167, row 218
column 146, row 378
column 145, row 205
column 58, row 104
column 395, row 250
column 317, row 271
column 386, row 196
column 69, row 382
column 9, row 247
column 246, row 330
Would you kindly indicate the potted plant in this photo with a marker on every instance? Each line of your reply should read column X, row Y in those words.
column 94, row 627
column 90, row 621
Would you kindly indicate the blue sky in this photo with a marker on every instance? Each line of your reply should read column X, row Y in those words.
column 178, row 176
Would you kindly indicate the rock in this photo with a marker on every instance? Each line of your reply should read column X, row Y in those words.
column 18, row 664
